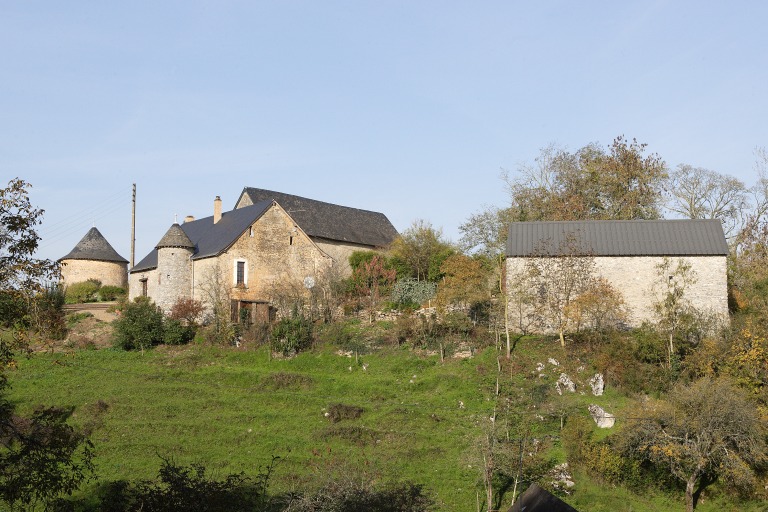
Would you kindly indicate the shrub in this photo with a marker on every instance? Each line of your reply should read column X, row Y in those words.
column 409, row 292
column 176, row 333
column 140, row 326
column 46, row 313
column 191, row 489
column 188, row 310
column 13, row 307
column 84, row 291
column 348, row 494
column 110, row 293
column 292, row 335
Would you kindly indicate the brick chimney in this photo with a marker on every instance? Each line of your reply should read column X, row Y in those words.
column 216, row 209
column 188, row 218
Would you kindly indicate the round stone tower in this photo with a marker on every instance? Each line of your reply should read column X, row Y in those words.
column 174, row 267
column 94, row 258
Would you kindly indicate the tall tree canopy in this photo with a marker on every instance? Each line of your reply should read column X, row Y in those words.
column 620, row 182
column 697, row 193
column 419, row 252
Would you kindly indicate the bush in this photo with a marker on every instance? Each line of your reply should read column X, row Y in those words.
column 85, row 291
column 176, row 333
column 292, row 335
column 191, row 489
column 46, row 313
column 110, row 293
column 13, row 308
column 140, row 325
column 189, row 310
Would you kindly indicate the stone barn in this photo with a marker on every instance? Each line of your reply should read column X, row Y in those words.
column 270, row 241
column 94, row 258
column 629, row 256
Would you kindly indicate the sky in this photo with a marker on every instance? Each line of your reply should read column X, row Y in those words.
column 410, row 108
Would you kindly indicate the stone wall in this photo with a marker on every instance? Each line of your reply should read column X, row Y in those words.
column 173, row 275
column 135, row 283
column 278, row 256
column 110, row 273
column 638, row 280
column 340, row 252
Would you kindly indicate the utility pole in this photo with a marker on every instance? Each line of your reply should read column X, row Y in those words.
column 133, row 226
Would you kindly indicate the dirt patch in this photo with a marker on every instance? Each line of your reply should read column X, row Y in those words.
column 91, row 332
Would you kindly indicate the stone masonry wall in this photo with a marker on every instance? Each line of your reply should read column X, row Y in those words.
column 110, row 273
column 340, row 252
column 134, row 283
column 173, row 275
column 640, row 284
column 277, row 255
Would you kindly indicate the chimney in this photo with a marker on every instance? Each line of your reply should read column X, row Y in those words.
column 188, row 218
column 216, row 209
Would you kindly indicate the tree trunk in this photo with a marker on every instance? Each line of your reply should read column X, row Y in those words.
column 690, row 484
column 562, row 339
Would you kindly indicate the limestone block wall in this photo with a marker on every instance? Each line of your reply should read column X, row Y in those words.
column 276, row 253
column 135, row 284
column 174, row 276
column 638, row 280
column 340, row 252
column 110, row 273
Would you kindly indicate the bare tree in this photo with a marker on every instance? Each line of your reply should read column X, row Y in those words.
column 698, row 193
column 672, row 307
column 216, row 297
column 560, row 274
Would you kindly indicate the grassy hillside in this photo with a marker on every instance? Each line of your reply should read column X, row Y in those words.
column 233, row 409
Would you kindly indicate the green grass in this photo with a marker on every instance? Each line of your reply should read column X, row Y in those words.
column 221, row 407
column 232, row 410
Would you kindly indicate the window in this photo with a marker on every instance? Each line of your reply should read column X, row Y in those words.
column 143, row 287
column 241, row 273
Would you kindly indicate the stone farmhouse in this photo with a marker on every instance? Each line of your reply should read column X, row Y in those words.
column 627, row 254
column 270, row 241
column 94, row 258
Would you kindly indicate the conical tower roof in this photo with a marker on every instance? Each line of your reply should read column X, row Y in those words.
column 175, row 237
column 94, row 246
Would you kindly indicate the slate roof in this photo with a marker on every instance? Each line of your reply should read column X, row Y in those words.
column 621, row 237
column 175, row 237
column 330, row 221
column 536, row 499
column 209, row 239
column 94, row 246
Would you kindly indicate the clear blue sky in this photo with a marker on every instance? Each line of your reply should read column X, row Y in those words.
column 409, row 108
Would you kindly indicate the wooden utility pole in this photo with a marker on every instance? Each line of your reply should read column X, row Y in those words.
column 133, row 226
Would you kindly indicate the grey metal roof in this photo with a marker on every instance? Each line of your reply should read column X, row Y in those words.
column 175, row 237
column 94, row 246
column 620, row 237
column 330, row 221
column 210, row 239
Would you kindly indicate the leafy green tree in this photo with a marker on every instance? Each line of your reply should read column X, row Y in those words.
column 20, row 272
column 140, row 325
column 41, row 455
column 707, row 429
column 466, row 283
column 419, row 252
